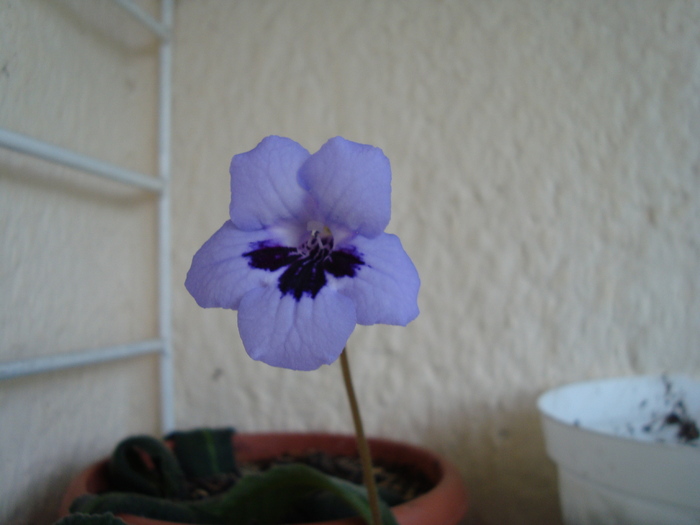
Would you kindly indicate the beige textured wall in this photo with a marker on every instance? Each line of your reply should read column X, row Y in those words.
column 546, row 160
column 77, row 254
column 546, row 168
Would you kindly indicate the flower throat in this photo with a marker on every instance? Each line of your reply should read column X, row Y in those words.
column 307, row 264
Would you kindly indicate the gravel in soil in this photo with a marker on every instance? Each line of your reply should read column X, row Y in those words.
column 403, row 482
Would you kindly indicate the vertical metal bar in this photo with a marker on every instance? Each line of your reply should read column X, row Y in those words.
column 51, row 153
column 164, row 255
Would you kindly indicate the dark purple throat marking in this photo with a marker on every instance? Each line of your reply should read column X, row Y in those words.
column 307, row 265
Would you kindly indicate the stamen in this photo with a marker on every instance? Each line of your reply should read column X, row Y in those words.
column 318, row 243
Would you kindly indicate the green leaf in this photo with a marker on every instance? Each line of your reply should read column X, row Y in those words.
column 139, row 505
column 267, row 498
column 278, row 495
column 88, row 519
column 146, row 465
column 205, row 451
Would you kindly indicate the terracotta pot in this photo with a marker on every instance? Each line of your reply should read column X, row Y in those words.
column 445, row 504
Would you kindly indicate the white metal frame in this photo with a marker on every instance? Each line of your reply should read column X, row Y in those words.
column 160, row 185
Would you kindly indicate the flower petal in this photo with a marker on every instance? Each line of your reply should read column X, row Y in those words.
column 385, row 289
column 351, row 184
column 220, row 276
column 264, row 187
column 296, row 334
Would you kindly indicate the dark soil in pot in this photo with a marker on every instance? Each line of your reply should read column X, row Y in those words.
column 398, row 483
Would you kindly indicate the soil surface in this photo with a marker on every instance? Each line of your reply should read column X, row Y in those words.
column 675, row 417
column 401, row 482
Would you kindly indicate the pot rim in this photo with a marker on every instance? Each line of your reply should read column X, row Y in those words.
column 555, row 404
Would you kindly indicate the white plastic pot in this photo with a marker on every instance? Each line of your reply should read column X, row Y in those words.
column 617, row 451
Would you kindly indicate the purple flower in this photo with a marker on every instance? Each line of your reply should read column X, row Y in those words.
column 304, row 256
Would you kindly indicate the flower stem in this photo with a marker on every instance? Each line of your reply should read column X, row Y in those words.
column 362, row 445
